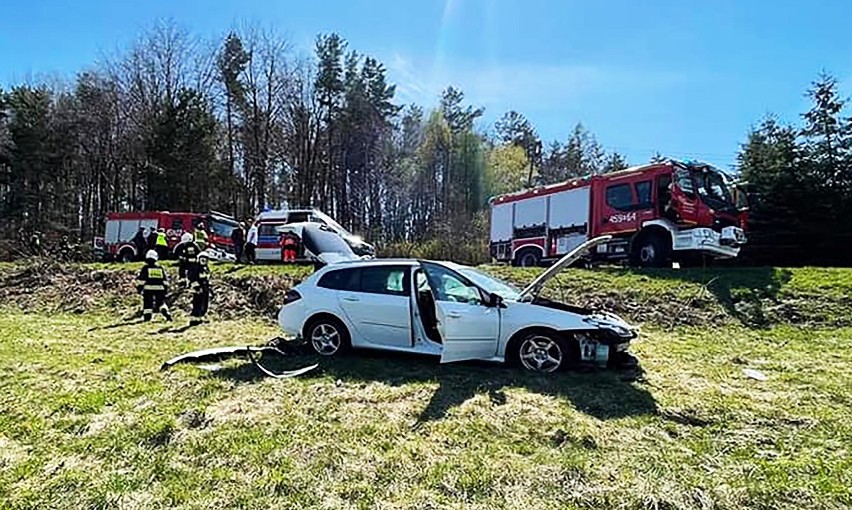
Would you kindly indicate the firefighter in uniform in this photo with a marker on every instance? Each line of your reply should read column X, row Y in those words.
column 198, row 275
column 201, row 236
column 162, row 243
column 187, row 254
column 153, row 283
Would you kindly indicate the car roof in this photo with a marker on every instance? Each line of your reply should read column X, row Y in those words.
column 393, row 262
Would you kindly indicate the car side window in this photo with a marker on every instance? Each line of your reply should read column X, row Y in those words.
column 389, row 280
column 619, row 196
column 342, row 279
column 449, row 286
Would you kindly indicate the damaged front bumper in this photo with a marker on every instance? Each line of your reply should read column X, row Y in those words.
column 607, row 344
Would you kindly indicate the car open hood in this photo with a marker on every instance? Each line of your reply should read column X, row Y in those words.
column 330, row 257
column 535, row 287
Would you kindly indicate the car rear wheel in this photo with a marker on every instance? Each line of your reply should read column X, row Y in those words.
column 328, row 336
column 543, row 352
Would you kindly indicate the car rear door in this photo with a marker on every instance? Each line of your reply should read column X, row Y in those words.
column 469, row 329
column 380, row 309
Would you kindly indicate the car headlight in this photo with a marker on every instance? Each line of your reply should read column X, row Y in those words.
column 606, row 323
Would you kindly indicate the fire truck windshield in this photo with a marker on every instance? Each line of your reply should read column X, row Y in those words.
column 713, row 189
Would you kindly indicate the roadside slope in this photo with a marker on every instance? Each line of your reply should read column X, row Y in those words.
column 87, row 419
column 755, row 297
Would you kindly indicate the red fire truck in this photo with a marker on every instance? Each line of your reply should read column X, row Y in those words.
column 117, row 242
column 657, row 213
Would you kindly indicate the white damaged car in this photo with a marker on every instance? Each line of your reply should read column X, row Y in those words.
column 452, row 311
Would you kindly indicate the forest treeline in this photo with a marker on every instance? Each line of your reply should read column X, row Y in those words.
column 248, row 122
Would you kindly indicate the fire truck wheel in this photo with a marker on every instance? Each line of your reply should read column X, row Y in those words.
column 529, row 257
column 650, row 250
column 125, row 256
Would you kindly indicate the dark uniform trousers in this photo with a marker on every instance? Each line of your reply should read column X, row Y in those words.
column 199, row 277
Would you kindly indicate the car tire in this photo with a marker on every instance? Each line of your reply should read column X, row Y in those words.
column 328, row 336
column 528, row 258
column 543, row 352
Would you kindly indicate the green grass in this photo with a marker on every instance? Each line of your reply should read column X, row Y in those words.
column 87, row 419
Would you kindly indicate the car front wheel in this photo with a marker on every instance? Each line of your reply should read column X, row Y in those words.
column 328, row 336
column 543, row 352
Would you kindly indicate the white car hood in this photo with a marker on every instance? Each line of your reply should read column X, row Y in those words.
column 535, row 287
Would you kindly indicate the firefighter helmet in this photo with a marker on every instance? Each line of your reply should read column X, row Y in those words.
column 186, row 237
column 152, row 255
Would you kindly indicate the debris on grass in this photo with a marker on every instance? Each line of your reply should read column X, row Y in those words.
column 686, row 417
column 757, row 375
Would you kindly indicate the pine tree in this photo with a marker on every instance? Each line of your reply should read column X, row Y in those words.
column 614, row 163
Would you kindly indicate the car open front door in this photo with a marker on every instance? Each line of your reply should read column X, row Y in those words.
column 469, row 329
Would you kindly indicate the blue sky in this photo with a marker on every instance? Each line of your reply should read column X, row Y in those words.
column 684, row 78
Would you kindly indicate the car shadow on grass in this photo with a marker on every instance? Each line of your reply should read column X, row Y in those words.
column 603, row 394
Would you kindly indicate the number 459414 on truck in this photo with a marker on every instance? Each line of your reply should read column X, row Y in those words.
column 656, row 214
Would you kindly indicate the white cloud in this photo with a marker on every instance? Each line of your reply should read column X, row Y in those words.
column 518, row 86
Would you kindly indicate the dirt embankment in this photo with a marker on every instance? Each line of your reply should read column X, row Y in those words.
column 49, row 286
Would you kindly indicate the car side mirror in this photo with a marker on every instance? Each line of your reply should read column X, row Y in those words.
column 495, row 300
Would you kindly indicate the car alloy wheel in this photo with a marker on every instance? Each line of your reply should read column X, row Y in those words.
column 326, row 339
column 541, row 354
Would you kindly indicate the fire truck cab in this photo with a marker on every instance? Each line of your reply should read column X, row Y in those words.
column 656, row 213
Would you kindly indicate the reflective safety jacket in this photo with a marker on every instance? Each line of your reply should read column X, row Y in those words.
column 161, row 239
column 187, row 255
column 201, row 238
column 152, row 278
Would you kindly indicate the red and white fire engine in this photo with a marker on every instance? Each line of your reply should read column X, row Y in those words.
column 656, row 213
column 117, row 242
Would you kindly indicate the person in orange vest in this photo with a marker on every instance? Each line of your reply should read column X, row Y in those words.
column 289, row 243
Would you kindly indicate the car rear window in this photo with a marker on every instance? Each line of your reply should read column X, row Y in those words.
column 390, row 280
column 342, row 279
column 384, row 280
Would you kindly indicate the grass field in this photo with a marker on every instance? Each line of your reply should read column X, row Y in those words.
column 87, row 419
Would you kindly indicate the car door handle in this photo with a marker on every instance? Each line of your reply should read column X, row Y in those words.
column 454, row 315
column 351, row 299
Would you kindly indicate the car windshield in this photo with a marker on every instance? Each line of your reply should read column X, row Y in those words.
column 322, row 240
column 221, row 228
column 491, row 284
